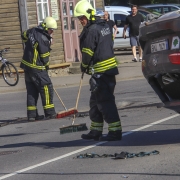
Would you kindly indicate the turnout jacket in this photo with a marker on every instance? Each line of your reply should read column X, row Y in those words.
column 97, row 48
column 37, row 49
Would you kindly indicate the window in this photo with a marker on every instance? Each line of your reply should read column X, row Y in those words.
column 158, row 9
column 42, row 9
column 120, row 20
column 143, row 12
column 92, row 3
column 174, row 8
column 166, row 9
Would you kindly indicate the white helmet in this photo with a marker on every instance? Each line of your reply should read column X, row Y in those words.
column 50, row 23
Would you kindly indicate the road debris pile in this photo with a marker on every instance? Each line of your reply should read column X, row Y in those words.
column 122, row 155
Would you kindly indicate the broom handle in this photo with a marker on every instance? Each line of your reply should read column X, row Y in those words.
column 77, row 100
column 60, row 99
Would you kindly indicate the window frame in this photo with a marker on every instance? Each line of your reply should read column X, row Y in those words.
column 115, row 20
column 42, row 3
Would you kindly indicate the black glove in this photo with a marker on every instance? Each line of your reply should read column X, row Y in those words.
column 83, row 69
column 47, row 68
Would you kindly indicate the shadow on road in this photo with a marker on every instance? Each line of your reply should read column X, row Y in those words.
column 101, row 173
column 140, row 138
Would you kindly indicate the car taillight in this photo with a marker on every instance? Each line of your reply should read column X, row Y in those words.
column 174, row 58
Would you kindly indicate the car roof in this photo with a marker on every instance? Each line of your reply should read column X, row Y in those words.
column 155, row 5
column 117, row 8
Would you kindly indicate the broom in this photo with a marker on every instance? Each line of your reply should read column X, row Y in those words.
column 67, row 112
column 75, row 127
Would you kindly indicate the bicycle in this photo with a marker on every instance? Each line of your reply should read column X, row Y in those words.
column 9, row 71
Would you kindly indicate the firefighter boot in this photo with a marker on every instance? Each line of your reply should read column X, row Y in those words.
column 93, row 134
column 112, row 136
column 38, row 117
column 52, row 116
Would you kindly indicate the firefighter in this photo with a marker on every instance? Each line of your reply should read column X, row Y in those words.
column 99, row 61
column 35, row 63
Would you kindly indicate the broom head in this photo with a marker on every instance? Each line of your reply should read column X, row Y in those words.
column 69, row 112
column 73, row 128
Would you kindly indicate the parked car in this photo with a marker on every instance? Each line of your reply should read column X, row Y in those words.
column 160, row 41
column 118, row 14
column 163, row 8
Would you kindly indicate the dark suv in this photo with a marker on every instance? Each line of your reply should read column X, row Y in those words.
column 160, row 41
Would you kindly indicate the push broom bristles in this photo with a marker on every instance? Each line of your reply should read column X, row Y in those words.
column 67, row 113
column 73, row 128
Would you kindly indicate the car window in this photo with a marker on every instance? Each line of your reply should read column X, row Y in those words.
column 143, row 13
column 146, row 11
column 120, row 20
column 173, row 8
column 158, row 9
column 166, row 9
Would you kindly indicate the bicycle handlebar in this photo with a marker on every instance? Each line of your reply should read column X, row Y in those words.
column 5, row 49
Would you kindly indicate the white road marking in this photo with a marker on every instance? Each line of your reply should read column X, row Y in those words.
column 83, row 149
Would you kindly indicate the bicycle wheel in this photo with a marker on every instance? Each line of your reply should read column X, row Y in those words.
column 10, row 74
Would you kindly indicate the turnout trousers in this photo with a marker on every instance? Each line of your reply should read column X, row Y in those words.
column 39, row 83
column 102, row 105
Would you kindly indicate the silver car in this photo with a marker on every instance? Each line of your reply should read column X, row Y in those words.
column 163, row 8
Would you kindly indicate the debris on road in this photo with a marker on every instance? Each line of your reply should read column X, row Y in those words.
column 122, row 155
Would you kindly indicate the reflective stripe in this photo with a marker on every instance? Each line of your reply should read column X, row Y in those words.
column 49, row 106
column 46, row 91
column 96, row 126
column 88, row 51
column 47, row 64
column 35, row 56
column 31, row 108
column 45, row 55
column 115, row 129
column 105, row 65
column 32, row 65
column 103, row 69
column 35, row 45
column 118, row 123
column 114, row 126
column 105, row 62
column 83, row 65
column 25, row 35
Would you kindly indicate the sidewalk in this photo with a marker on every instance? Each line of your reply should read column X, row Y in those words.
column 128, row 70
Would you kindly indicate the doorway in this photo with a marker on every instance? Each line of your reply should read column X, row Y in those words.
column 70, row 31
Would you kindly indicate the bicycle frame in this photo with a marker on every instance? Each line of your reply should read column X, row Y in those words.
column 3, row 60
column 9, row 71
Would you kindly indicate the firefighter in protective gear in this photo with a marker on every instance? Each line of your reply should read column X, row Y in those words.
column 98, row 60
column 35, row 63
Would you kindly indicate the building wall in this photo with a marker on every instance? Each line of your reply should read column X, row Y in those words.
column 10, row 33
column 100, row 4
